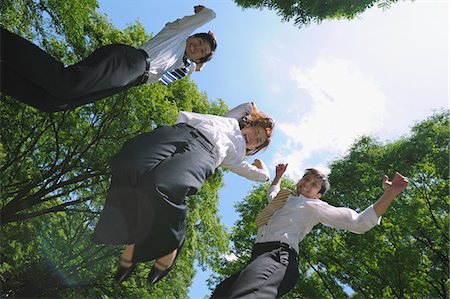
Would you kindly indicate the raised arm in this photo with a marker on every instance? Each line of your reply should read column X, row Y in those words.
column 279, row 171
column 391, row 190
column 260, row 165
column 240, row 111
column 348, row 219
column 255, row 172
column 190, row 23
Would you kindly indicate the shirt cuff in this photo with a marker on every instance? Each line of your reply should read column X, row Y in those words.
column 370, row 217
column 211, row 14
column 273, row 188
column 263, row 176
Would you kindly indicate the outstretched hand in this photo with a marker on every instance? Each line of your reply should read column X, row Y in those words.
column 280, row 169
column 397, row 185
column 259, row 164
column 391, row 190
column 198, row 8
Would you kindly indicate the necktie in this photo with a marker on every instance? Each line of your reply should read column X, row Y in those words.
column 173, row 75
column 279, row 200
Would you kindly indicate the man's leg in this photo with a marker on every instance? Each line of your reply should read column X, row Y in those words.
column 223, row 288
column 14, row 85
column 260, row 279
column 108, row 70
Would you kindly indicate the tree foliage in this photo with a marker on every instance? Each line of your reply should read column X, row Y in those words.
column 54, row 168
column 305, row 12
column 406, row 256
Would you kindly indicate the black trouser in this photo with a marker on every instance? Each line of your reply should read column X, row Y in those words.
column 271, row 272
column 34, row 77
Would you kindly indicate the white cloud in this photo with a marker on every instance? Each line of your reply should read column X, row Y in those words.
column 346, row 104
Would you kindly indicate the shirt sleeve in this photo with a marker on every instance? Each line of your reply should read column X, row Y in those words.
column 348, row 219
column 240, row 111
column 248, row 171
column 190, row 23
column 272, row 192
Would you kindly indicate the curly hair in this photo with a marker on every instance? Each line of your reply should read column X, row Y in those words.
column 259, row 119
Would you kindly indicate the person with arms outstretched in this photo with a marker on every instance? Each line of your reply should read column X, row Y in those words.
column 34, row 77
column 272, row 270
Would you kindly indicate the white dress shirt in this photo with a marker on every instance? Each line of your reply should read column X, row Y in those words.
column 225, row 135
column 166, row 49
column 291, row 223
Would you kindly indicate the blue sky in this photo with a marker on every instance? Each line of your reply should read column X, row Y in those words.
column 325, row 85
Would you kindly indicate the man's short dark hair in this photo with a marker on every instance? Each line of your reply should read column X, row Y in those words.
column 325, row 183
column 212, row 42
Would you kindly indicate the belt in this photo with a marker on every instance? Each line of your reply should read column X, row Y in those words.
column 144, row 77
column 268, row 246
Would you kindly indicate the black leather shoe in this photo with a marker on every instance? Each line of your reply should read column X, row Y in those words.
column 156, row 274
column 123, row 273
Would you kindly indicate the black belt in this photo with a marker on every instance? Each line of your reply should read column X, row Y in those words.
column 268, row 246
column 144, row 77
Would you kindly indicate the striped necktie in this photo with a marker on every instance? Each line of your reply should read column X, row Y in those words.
column 173, row 75
column 278, row 202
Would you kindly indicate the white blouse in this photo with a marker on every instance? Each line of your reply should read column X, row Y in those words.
column 224, row 133
column 291, row 223
column 166, row 49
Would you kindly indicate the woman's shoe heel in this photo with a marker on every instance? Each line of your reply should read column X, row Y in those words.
column 156, row 274
column 123, row 273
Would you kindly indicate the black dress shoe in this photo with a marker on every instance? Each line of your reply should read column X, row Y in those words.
column 156, row 274
column 123, row 273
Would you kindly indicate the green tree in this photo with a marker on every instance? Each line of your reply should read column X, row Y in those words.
column 406, row 256
column 305, row 12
